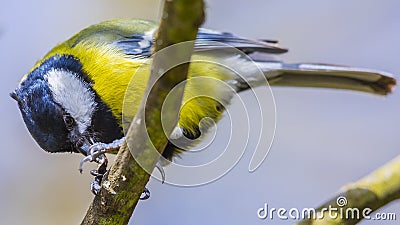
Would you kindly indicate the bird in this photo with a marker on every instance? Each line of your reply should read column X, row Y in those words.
column 72, row 99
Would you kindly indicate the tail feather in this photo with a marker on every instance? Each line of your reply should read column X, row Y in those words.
column 328, row 76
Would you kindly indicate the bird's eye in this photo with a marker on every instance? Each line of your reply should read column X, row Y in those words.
column 69, row 122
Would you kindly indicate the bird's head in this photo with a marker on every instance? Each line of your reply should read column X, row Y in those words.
column 59, row 106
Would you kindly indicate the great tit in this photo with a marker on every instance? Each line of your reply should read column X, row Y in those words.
column 73, row 97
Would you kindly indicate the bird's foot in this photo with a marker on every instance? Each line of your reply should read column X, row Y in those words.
column 145, row 194
column 97, row 151
column 98, row 174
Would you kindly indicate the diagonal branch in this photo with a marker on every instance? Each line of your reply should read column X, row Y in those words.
column 126, row 179
column 371, row 192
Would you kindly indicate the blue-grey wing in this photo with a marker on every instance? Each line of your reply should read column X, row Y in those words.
column 206, row 37
column 139, row 45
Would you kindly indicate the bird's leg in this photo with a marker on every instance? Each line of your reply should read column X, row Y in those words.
column 98, row 174
column 96, row 153
column 97, row 150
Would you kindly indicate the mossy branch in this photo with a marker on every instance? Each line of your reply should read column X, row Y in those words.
column 371, row 192
column 126, row 180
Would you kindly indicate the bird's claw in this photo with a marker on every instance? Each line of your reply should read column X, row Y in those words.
column 95, row 186
column 95, row 153
column 98, row 174
column 161, row 170
column 145, row 194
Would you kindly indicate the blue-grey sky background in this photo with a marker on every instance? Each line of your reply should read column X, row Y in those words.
column 324, row 138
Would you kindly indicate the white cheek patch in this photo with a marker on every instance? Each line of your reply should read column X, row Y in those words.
column 74, row 95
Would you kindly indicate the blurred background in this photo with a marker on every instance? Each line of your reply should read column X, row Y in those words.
column 324, row 138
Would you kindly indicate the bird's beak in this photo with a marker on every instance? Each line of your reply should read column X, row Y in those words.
column 15, row 96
